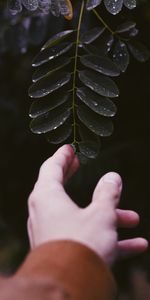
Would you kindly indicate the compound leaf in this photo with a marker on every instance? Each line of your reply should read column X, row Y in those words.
column 51, row 120
column 50, row 53
column 130, row 4
column 90, row 4
column 99, row 83
column 40, row 106
column 100, row 64
column 59, row 135
column 99, row 125
column 51, row 66
column 126, row 26
column 97, row 103
column 49, row 84
column 121, row 56
column 139, row 51
column 91, row 35
column 114, row 6
column 57, row 38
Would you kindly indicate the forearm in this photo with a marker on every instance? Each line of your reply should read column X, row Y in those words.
column 81, row 273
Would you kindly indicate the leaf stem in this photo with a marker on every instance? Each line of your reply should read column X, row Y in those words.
column 103, row 22
column 75, row 72
column 108, row 27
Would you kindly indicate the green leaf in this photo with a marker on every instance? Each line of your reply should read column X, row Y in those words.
column 51, row 120
column 100, row 64
column 59, row 135
column 88, row 135
column 139, row 51
column 99, row 83
column 42, row 106
column 57, row 38
column 130, row 4
column 104, row 45
column 126, row 26
column 52, row 66
column 114, row 6
column 49, row 84
column 82, row 158
column 99, row 125
column 90, row 4
column 121, row 56
column 97, row 103
column 91, row 35
column 50, row 53
column 89, row 149
column 90, row 144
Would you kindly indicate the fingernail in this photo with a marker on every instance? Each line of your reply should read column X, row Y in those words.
column 113, row 178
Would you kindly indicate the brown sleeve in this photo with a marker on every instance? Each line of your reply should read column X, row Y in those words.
column 73, row 267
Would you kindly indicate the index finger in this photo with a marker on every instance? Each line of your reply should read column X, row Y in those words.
column 58, row 167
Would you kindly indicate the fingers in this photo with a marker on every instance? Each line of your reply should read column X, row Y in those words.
column 59, row 167
column 132, row 247
column 72, row 169
column 127, row 218
column 30, row 234
column 108, row 190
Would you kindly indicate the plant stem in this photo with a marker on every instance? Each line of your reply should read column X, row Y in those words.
column 108, row 28
column 103, row 22
column 75, row 72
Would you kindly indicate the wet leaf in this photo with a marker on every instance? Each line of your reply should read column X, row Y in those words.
column 57, row 38
column 130, row 4
column 90, row 142
column 105, row 43
column 101, row 126
column 100, row 64
column 55, row 8
column 121, row 56
column 90, row 4
column 114, row 6
column 59, row 135
column 91, row 35
column 139, row 51
column 88, row 135
column 52, row 66
column 64, row 8
column 126, row 26
column 99, row 83
column 30, row 4
column 51, row 120
column 133, row 32
column 97, row 103
column 14, row 6
column 42, row 106
column 50, row 53
column 82, row 158
column 89, row 149
column 49, row 84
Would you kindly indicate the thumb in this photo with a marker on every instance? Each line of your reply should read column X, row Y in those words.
column 108, row 190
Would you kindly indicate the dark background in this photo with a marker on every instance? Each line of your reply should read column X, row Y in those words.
column 21, row 152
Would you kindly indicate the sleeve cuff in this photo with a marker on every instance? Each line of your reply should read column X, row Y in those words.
column 81, row 272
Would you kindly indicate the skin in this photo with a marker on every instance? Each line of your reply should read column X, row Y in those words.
column 54, row 216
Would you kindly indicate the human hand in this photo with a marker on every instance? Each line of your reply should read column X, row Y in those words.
column 54, row 216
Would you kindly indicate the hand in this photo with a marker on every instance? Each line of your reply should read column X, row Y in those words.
column 54, row 216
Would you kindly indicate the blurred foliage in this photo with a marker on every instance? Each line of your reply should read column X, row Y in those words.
column 22, row 153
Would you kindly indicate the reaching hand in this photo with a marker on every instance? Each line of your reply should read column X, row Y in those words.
column 54, row 216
